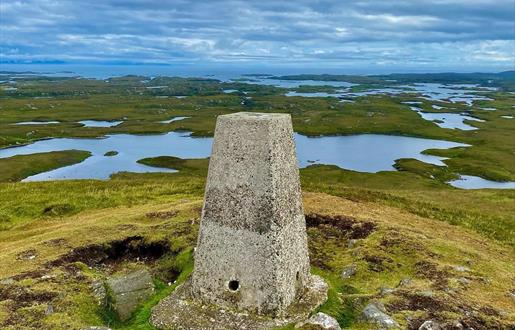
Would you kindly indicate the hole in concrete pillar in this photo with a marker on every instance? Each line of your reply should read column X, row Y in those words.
column 234, row 285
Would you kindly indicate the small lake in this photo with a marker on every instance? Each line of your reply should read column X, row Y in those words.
column 364, row 152
column 36, row 122
column 100, row 123
column 171, row 120
column 475, row 182
column 448, row 120
column 314, row 94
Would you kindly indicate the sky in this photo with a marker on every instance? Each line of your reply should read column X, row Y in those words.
column 466, row 35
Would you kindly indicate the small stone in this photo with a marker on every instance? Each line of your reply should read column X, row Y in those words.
column 461, row 269
column 375, row 313
column 96, row 328
column 99, row 291
column 384, row 291
column 458, row 325
column 405, row 282
column 323, row 321
column 351, row 243
column 49, row 310
column 47, row 277
column 7, row 281
column 128, row 291
column 348, row 271
column 430, row 325
column 464, row 280
column 426, row 293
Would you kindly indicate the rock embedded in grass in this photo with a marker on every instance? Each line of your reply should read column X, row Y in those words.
column 320, row 321
column 430, row 325
column 127, row 292
column 348, row 271
column 375, row 312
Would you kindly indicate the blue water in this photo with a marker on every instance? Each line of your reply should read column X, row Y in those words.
column 36, row 122
column 173, row 119
column 314, row 94
column 365, row 152
column 100, row 123
column 448, row 120
column 475, row 182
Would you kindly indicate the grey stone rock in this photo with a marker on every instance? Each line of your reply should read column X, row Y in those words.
column 351, row 243
column 426, row 293
column 348, row 271
column 458, row 326
column 323, row 321
column 99, row 291
column 127, row 292
column 376, row 313
column 7, row 281
column 464, row 280
column 461, row 269
column 405, row 282
column 49, row 310
column 384, row 291
column 430, row 325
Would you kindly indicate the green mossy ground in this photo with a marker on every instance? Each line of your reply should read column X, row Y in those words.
column 19, row 167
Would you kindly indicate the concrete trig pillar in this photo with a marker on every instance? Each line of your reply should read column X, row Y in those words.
column 251, row 262
column 252, row 248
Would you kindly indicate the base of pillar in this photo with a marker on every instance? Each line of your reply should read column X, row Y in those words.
column 180, row 311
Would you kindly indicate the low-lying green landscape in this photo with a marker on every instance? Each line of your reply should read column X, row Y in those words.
column 429, row 251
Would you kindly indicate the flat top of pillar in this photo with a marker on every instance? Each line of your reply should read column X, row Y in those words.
column 256, row 116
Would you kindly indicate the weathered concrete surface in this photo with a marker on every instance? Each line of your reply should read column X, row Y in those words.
column 126, row 292
column 251, row 259
column 253, row 232
column 181, row 311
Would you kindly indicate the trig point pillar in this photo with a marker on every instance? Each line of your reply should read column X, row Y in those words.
column 252, row 249
column 251, row 253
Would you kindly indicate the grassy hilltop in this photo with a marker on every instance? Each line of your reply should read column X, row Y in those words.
column 422, row 248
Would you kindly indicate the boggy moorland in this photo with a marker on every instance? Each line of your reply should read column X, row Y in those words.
column 422, row 248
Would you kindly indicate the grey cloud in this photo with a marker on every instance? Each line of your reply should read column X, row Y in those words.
column 260, row 31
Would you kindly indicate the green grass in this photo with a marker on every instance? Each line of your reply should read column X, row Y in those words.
column 19, row 167
column 100, row 211
column 488, row 212
column 191, row 166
